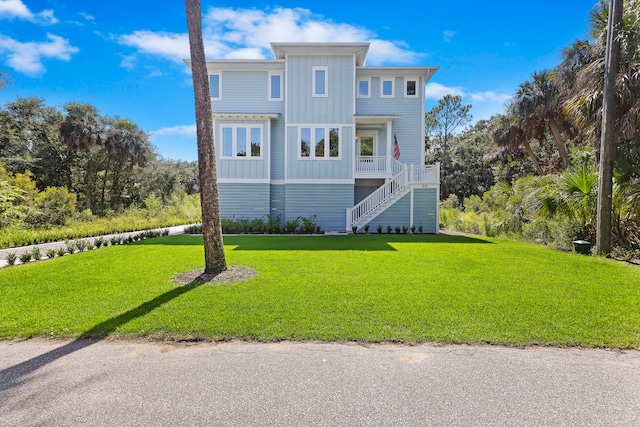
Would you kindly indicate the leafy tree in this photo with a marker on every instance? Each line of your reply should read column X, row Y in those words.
column 440, row 124
column 508, row 136
column 215, row 261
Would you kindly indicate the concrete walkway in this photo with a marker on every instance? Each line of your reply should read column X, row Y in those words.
column 178, row 229
column 102, row 383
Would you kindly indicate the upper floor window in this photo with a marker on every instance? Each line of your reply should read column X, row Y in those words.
column 275, row 87
column 387, row 88
column 320, row 143
column 215, row 84
column 364, row 90
column 411, row 88
column 242, row 141
column 320, row 81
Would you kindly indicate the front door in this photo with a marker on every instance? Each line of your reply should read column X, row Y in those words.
column 366, row 145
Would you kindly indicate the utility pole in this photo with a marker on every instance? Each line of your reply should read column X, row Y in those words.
column 607, row 139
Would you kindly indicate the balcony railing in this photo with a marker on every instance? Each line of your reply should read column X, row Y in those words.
column 371, row 165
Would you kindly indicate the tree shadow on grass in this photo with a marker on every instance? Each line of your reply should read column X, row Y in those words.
column 16, row 375
column 359, row 242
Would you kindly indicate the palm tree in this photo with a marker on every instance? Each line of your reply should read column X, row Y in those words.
column 82, row 129
column 507, row 134
column 215, row 261
column 538, row 105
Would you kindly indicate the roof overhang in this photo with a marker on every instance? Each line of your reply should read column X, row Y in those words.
column 280, row 50
column 427, row 72
column 242, row 64
column 245, row 116
column 375, row 119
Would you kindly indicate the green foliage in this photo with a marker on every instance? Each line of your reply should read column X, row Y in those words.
column 25, row 257
column 51, row 253
column 11, row 258
column 36, row 253
column 379, row 228
column 62, row 251
column 291, row 225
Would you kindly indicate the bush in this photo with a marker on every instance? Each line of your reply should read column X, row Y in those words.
column 81, row 245
column 51, row 253
column 397, row 230
column 366, row 229
column 274, row 224
column 405, row 229
column 308, row 224
column 292, row 225
column 389, row 229
column 115, row 240
column 11, row 258
column 98, row 242
column 62, row 251
column 25, row 257
column 193, row 229
column 379, row 228
column 71, row 246
column 36, row 253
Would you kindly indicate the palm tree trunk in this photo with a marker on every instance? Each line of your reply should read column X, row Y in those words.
column 214, row 257
column 532, row 156
column 562, row 147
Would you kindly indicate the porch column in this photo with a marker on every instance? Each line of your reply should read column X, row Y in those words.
column 389, row 149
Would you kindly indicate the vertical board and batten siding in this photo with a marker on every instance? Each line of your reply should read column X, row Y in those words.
column 328, row 203
column 277, row 148
column 244, row 200
column 278, row 201
column 425, row 208
column 246, row 92
column 303, row 107
column 408, row 128
column 322, row 169
column 246, row 168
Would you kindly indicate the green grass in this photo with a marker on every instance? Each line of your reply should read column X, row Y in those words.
column 366, row 288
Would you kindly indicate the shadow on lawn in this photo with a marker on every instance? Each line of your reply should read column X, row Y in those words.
column 16, row 375
column 360, row 242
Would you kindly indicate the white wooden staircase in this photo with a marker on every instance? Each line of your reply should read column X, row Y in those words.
column 405, row 177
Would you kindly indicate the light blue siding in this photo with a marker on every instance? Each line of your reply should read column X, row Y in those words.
column 328, row 203
column 246, row 92
column 397, row 215
column 278, row 201
column 248, row 168
column 337, row 107
column 365, row 187
column 342, row 168
column 244, row 200
column 424, row 209
column 277, row 149
column 408, row 128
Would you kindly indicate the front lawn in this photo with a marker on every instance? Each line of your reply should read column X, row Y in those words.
column 366, row 288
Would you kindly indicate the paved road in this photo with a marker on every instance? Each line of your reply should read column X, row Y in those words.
column 308, row 384
column 179, row 229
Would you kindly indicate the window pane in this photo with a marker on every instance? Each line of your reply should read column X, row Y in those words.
column 214, row 83
column 334, row 142
column 411, row 87
column 319, row 142
column 387, row 88
column 241, row 142
column 363, row 88
column 275, row 86
column 305, row 142
column 255, row 142
column 366, row 146
column 227, row 142
column 320, row 83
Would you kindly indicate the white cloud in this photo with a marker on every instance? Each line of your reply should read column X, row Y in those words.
column 247, row 33
column 10, row 9
column 489, row 96
column 437, row 91
column 86, row 16
column 448, row 35
column 27, row 57
column 180, row 130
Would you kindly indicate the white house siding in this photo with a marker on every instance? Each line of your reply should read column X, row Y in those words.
column 337, row 107
column 424, row 209
column 245, row 168
column 408, row 128
column 328, row 202
column 244, row 200
column 341, row 168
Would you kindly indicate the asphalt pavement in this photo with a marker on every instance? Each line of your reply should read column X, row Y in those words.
column 123, row 383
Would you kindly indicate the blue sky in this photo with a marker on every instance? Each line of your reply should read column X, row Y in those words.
column 125, row 57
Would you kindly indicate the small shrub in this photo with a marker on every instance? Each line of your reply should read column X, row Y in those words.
column 98, row 242
column 404, row 229
column 36, row 253
column 366, row 229
column 71, row 246
column 379, row 228
column 420, row 229
column 354, row 229
column 62, row 251
column 115, row 241
column 413, row 229
column 389, row 229
column 308, row 224
column 397, row 230
column 193, row 229
column 274, row 224
column 11, row 258
column 90, row 245
column 51, row 253
column 81, row 245
column 291, row 226
column 318, row 230
column 25, row 257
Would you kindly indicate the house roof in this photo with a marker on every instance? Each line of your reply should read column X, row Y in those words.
column 428, row 72
column 245, row 116
column 280, row 50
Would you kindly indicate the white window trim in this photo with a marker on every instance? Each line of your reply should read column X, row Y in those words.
column 234, row 141
column 326, row 82
column 368, row 80
column 312, row 151
column 393, row 87
column 406, row 82
column 281, row 86
column 219, row 98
